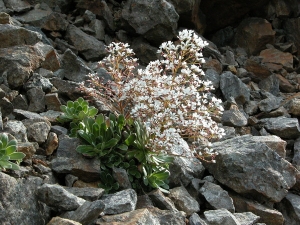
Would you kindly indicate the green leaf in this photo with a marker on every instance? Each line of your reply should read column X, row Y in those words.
column 6, row 164
column 123, row 147
column 111, row 143
column 85, row 149
column 17, row 156
column 100, row 119
column 4, row 140
column 130, row 139
column 92, row 111
column 86, row 137
column 70, row 104
column 112, row 117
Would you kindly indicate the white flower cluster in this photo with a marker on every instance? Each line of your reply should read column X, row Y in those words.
column 169, row 95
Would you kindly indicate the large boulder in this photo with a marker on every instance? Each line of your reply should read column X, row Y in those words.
column 158, row 22
column 252, row 168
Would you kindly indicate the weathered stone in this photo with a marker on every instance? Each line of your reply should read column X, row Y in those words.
column 73, row 68
column 12, row 35
column 28, row 148
column 270, row 103
column 121, row 176
column 267, row 215
column 161, row 201
column 251, row 107
column 36, row 98
column 120, row 202
column 220, row 217
column 55, row 22
column 196, row 220
column 144, row 201
column 290, row 208
column 283, row 127
column 23, row 114
column 270, row 177
column 51, row 143
column 6, row 107
column 18, row 202
column 144, row 51
column 38, row 81
column 17, row 6
column 291, row 27
column 293, row 106
column 159, row 20
column 285, row 85
column 184, row 201
column 34, row 17
column 20, row 102
column 58, row 198
column 213, row 64
column 296, row 158
column 274, row 56
column 51, row 59
column 258, row 70
column 98, row 27
column 216, row 197
column 232, row 86
column 213, row 76
column 88, row 212
column 87, row 193
column 18, row 63
column 246, row 218
column 88, row 46
column 52, row 102
column 70, row 161
column 68, row 88
column 62, row 221
column 234, row 117
column 37, row 131
column 17, row 129
column 253, row 34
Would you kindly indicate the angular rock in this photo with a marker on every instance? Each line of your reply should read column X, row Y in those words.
column 258, row 70
column 121, row 176
column 12, row 35
column 285, row 85
column 68, row 88
column 293, row 106
column 17, row 6
column 291, row 27
column 36, row 98
column 274, row 142
column 18, row 202
column 55, row 22
column 62, row 221
column 159, row 20
column 120, row 202
column 270, row 103
column 246, row 218
column 290, row 208
column 52, row 102
column 267, row 215
column 51, row 143
column 296, row 158
column 275, row 57
column 38, row 81
column 37, row 130
column 220, row 217
column 196, row 220
column 270, row 84
column 232, row 86
column 58, row 198
column 28, row 148
column 6, row 107
column 253, row 34
column 87, row 193
column 33, row 17
column 17, row 129
column 88, row 46
column 51, row 60
column 283, row 127
column 213, row 76
column 216, row 197
column 270, row 177
column 88, row 212
column 184, row 201
column 160, row 201
column 70, row 161
column 20, row 102
column 234, row 117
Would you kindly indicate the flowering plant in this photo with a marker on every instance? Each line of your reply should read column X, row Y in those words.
column 168, row 96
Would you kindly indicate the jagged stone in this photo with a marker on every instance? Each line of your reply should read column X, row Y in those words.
column 159, row 22
column 296, row 158
column 144, row 201
column 68, row 161
column 98, row 27
column 184, row 201
column 270, row 84
column 52, row 102
column 234, row 117
column 37, row 131
column 62, row 221
column 51, row 143
column 24, row 114
column 293, row 106
column 66, row 87
column 36, row 98
column 87, row 193
column 220, row 217
column 21, row 207
column 270, row 177
column 232, row 86
column 55, row 22
column 291, row 27
column 290, row 209
column 28, row 148
column 213, row 76
column 246, row 218
column 38, row 81
column 121, row 176
column 273, row 56
column 285, row 85
column 283, row 127
column 88, row 46
column 161, row 201
column 216, row 197
column 144, row 51
column 20, row 102
column 270, row 103
column 17, row 129
column 196, row 220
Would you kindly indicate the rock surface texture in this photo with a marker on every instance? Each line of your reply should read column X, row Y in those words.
column 47, row 50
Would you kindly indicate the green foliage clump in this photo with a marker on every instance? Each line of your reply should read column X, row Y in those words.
column 8, row 152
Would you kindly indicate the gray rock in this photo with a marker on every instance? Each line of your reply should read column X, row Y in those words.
column 24, row 114
column 166, row 217
column 290, row 208
column 87, row 193
column 270, row 103
column 62, row 221
column 232, row 86
column 6, row 107
column 88, row 212
column 184, row 201
column 216, row 197
column 220, row 217
column 196, row 220
column 144, row 201
column 283, row 127
column 58, row 198
column 51, row 60
column 270, row 84
column 36, row 98
column 120, row 202
column 160, row 201
column 234, row 117
column 144, row 51
column 296, row 158
column 17, row 129
column 18, row 202
column 293, row 106
column 37, row 130
column 67, row 88
column 38, row 81
column 70, row 180
column 88, row 46
column 251, row 107
column 73, row 68
column 20, row 102
column 246, row 218
column 68, row 161
column 52, row 102
column 17, row 36
column 159, row 20
column 55, row 22
column 121, row 176
column 98, row 26
column 33, row 17
column 51, row 143
column 213, row 76
column 269, row 177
